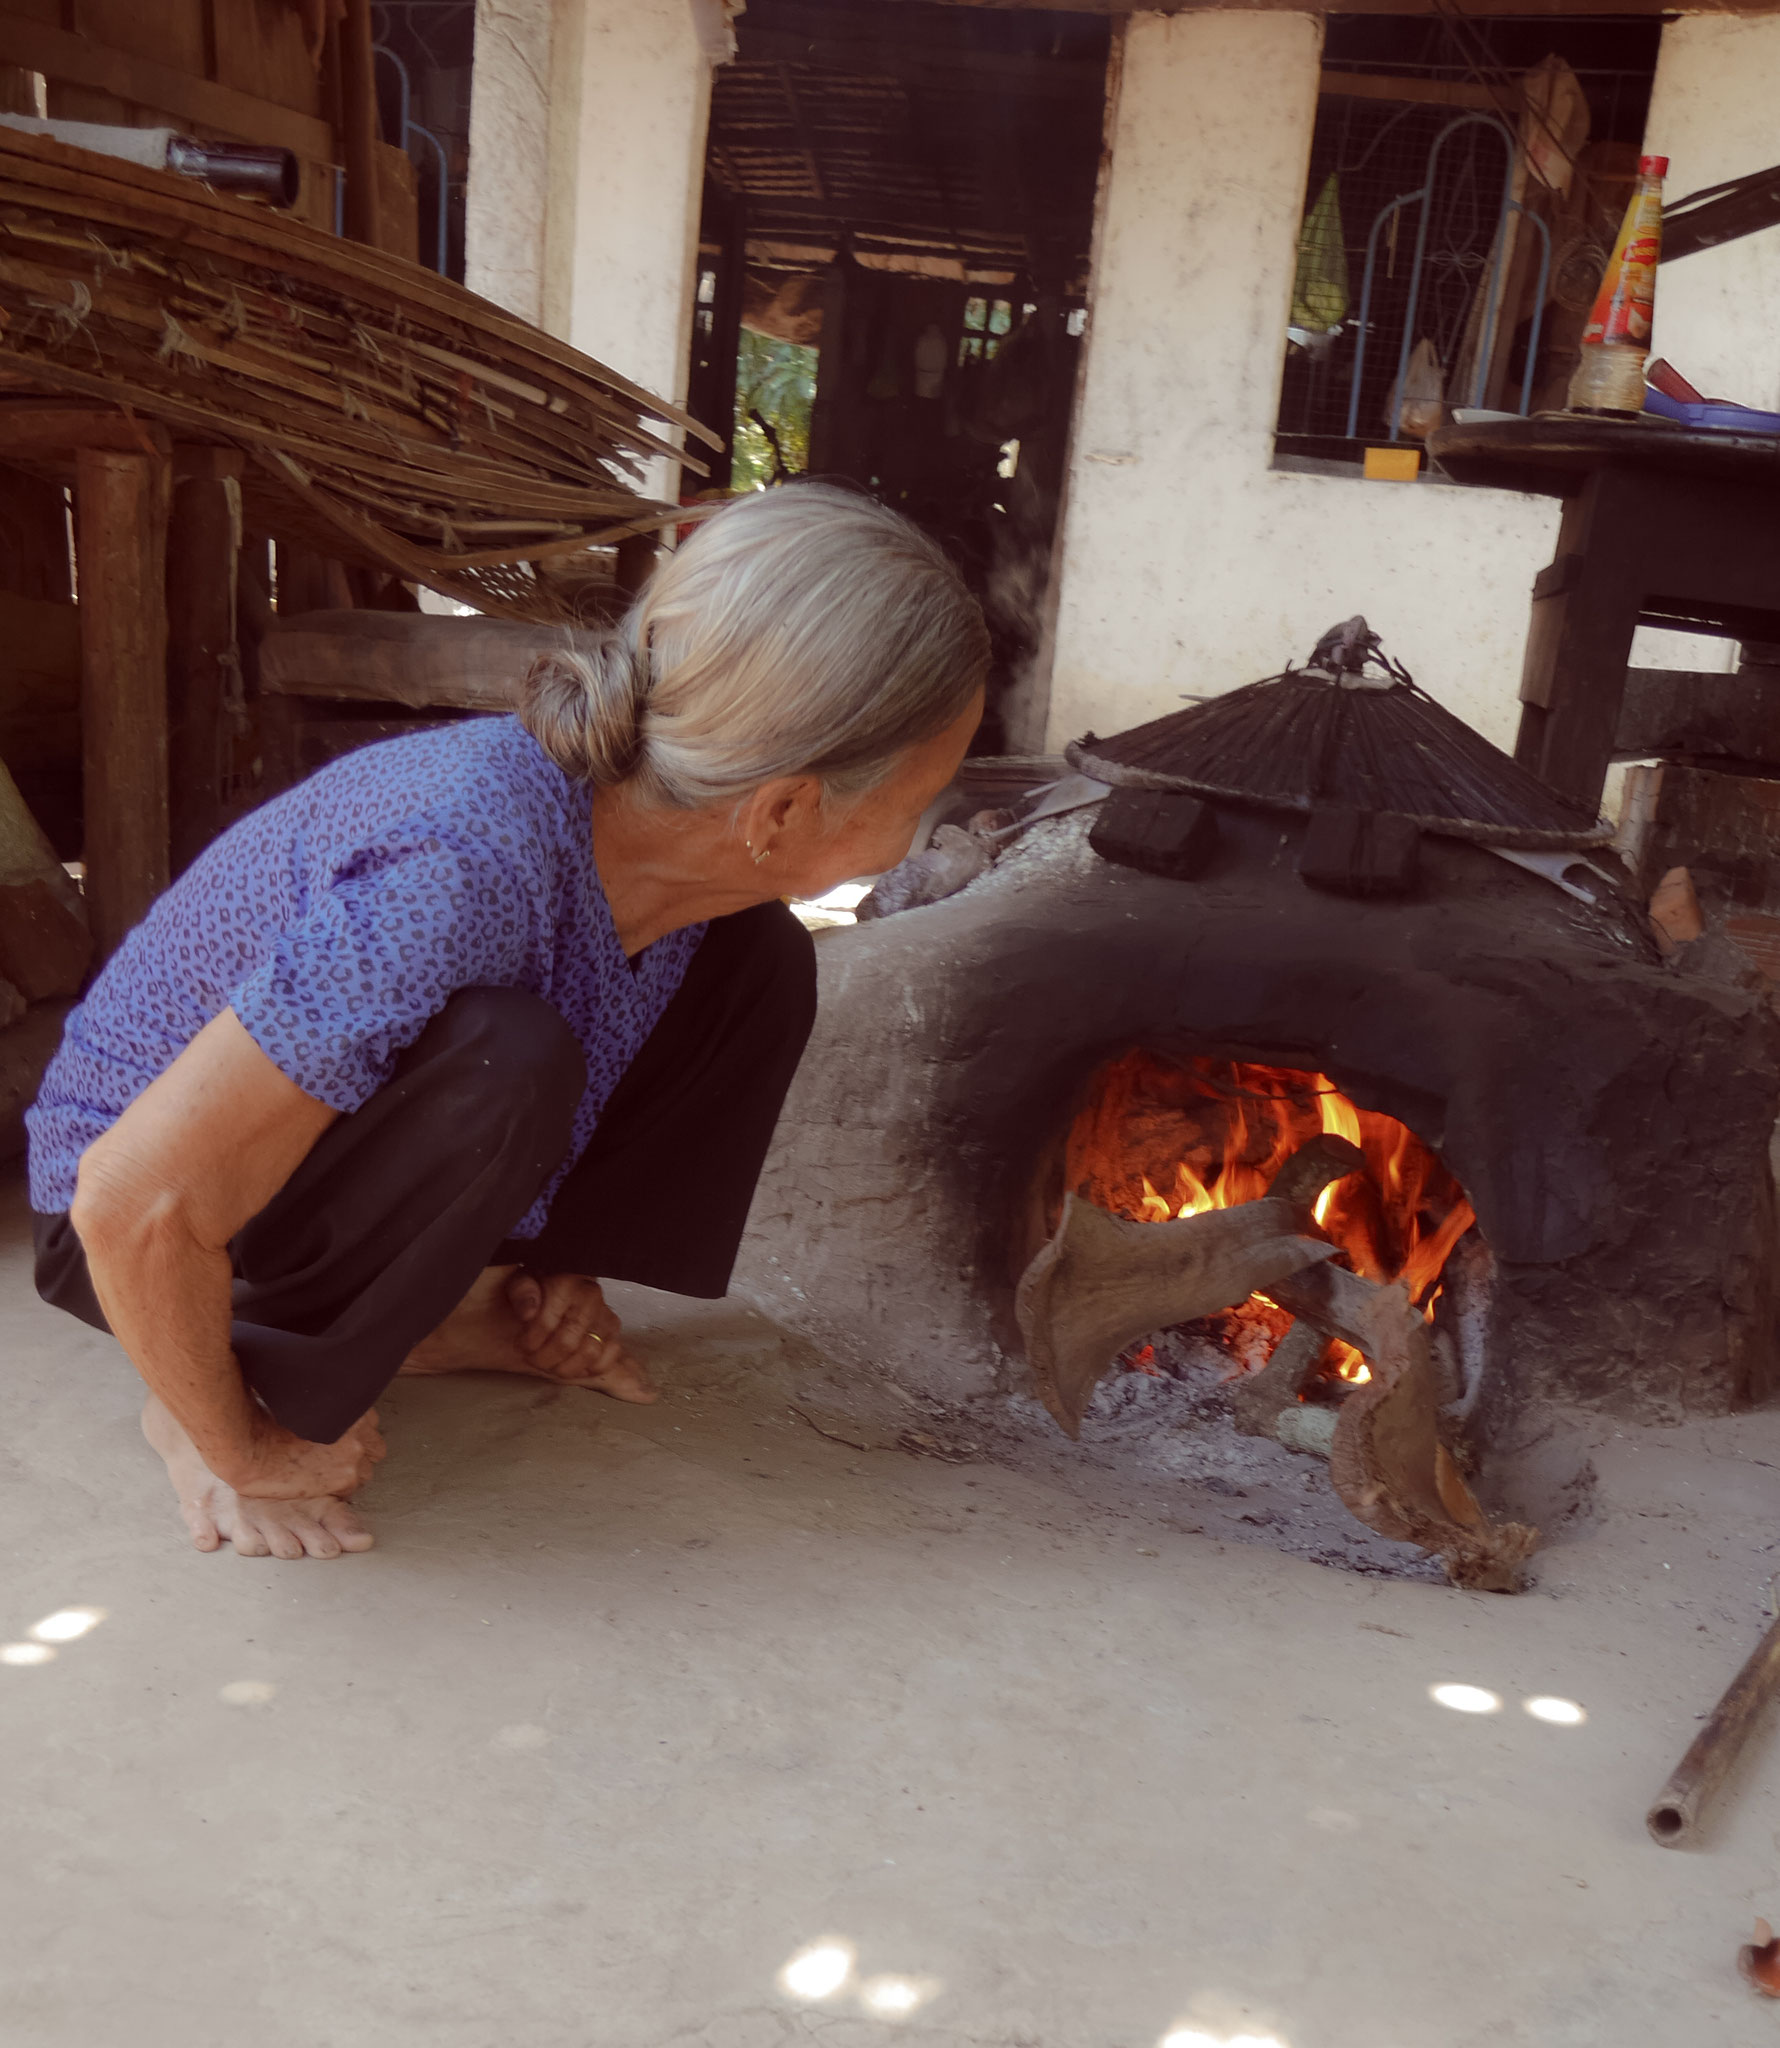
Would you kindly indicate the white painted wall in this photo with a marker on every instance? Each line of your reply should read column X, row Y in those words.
column 1715, row 114
column 1189, row 565
column 587, row 142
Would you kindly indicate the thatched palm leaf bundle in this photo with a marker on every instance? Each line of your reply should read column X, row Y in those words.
column 392, row 418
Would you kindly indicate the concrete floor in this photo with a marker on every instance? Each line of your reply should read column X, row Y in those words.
column 632, row 1706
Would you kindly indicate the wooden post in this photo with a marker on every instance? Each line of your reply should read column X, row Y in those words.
column 204, row 697
column 358, row 121
column 121, row 547
column 1585, row 610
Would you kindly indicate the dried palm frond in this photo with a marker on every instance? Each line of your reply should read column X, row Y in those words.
column 392, row 418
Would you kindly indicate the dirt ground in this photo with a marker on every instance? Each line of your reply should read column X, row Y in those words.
column 630, row 1708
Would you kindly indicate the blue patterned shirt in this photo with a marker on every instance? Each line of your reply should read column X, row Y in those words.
column 339, row 919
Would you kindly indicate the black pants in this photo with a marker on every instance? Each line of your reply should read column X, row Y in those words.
column 382, row 1229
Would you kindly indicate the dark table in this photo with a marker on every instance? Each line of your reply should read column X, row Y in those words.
column 1663, row 525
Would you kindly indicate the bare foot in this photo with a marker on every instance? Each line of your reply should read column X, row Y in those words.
column 558, row 1329
column 216, row 1514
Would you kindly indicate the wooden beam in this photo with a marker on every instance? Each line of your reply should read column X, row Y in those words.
column 413, row 658
column 1429, row 92
column 46, row 432
column 936, row 68
column 75, row 60
column 121, row 547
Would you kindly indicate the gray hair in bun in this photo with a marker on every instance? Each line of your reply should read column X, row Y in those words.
column 802, row 630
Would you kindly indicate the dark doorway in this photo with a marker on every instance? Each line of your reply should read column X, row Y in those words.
column 899, row 204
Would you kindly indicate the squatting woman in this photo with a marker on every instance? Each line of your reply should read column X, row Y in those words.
column 416, row 1054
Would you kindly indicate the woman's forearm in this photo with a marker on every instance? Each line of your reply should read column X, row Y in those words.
column 206, row 1145
column 166, row 1296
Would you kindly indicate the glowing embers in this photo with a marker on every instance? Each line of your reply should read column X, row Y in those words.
column 1161, row 1138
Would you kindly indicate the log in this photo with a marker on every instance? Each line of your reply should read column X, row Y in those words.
column 1259, row 1399
column 1681, row 1805
column 1101, row 1282
column 121, row 532
column 1316, row 1163
column 205, row 708
column 413, row 658
column 1387, row 1462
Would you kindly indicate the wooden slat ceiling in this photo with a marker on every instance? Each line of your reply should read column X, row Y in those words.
column 837, row 133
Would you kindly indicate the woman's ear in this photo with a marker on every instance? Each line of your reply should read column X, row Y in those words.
column 800, row 803
column 787, row 805
column 791, row 804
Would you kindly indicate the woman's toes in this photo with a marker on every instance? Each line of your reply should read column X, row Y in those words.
column 282, row 1540
column 344, row 1526
column 316, row 1539
column 248, row 1540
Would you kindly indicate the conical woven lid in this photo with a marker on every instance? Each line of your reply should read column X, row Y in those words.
column 1352, row 729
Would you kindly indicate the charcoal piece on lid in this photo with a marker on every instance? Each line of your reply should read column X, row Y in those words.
column 1157, row 831
column 1350, row 729
column 1361, row 853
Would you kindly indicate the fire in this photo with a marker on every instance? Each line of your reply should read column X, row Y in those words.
column 1164, row 1138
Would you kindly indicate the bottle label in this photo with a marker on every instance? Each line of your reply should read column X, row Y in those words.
column 1627, row 300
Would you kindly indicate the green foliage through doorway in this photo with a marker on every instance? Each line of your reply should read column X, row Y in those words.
column 775, row 391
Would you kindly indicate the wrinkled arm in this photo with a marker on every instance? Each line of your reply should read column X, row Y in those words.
column 204, row 1148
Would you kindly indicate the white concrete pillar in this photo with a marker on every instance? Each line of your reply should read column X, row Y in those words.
column 587, row 144
column 509, row 191
column 1189, row 564
column 1712, row 115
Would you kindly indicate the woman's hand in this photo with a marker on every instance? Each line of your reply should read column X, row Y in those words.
column 279, row 1466
column 568, row 1333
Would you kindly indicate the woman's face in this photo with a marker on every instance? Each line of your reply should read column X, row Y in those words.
column 816, row 849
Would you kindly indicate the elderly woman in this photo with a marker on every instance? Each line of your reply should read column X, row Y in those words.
column 414, row 1053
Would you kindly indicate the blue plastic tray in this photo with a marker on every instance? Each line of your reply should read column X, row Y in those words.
column 1732, row 419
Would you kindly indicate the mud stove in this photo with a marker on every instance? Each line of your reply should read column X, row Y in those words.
column 1406, row 1165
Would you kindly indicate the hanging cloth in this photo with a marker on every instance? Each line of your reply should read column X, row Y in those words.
column 1319, row 290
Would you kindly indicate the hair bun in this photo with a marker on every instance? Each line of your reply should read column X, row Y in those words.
column 584, row 708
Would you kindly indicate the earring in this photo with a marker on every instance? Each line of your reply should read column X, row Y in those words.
column 758, row 857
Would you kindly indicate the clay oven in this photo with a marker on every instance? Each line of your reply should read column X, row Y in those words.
column 1579, row 1128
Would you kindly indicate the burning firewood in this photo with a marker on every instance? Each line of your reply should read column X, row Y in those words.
column 1102, row 1282
column 1388, row 1464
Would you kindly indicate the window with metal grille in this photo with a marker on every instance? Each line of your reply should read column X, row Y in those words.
column 1466, row 179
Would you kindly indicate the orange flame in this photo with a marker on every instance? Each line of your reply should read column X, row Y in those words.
column 1215, row 1132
